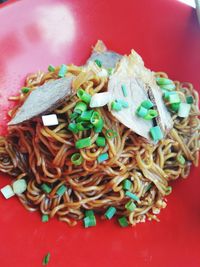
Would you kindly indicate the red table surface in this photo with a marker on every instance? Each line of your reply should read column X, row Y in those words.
column 34, row 34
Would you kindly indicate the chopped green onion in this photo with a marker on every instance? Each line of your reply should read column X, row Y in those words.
column 175, row 106
column 110, row 212
column 89, row 221
column 80, row 107
column 98, row 62
column 19, row 186
column 181, row 159
column 73, row 127
column 45, row 218
column 168, row 87
column 100, row 141
column 124, row 90
column 168, row 191
column 151, row 114
column 83, row 125
column 184, row 110
column 174, row 98
column 163, row 81
column 147, row 104
column 73, row 115
column 85, row 115
column 116, row 106
column 167, row 94
column 61, row 190
column 85, row 97
column 190, row 99
column 25, row 90
column 141, row 112
column 130, row 206
column 123, row 103
column 156, row 133
column 62, row 71
column 127, row 184
column 95, row 118
column 97, row 121
column 46, row 259
column 89, row 213
column 76, row 159
column 86, row 221
column 51, row 68
column 123, row 221
column 110, row 71
column 102, row 157
column 110, row 134
column 98, row 128
column 47, row 189
column 82, row 143
column 131, row 195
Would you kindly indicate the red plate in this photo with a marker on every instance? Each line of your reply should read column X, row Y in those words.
column 34, row 34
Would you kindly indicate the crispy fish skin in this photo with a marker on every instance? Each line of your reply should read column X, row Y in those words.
column 44, row 99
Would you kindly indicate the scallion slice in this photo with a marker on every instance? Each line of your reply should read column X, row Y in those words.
column 102, row 157
column 100, row 141
column 62, row 71
column 110, row 134
column 80, row 107
column 82, row 143
column 116, row 106
column 124, row 90
column 127, row 184
column 123, row 221
column 76, row 159
column 45, row 218
column 46, row 188
column 73, row 127
column 98, row 128
column 147, row 104
column 181, row 159
column 131, row 195
column 184, row 110
column 141, row 111
column 130, row 206
column 151, row 114
column 85, row 116
column 190, row 99
column 51, row 68
column 25, row 90
column 84, row 96
column 156, row 133
column 61, row 190
column 110, row 212
column 46, row 259
column 163, row 81
column 98, row 62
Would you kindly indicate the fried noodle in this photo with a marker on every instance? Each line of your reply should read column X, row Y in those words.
column 41, row 154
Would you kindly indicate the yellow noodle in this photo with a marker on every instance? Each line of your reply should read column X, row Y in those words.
column 41, row 154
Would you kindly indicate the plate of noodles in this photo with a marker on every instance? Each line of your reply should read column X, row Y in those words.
column 99, row 141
